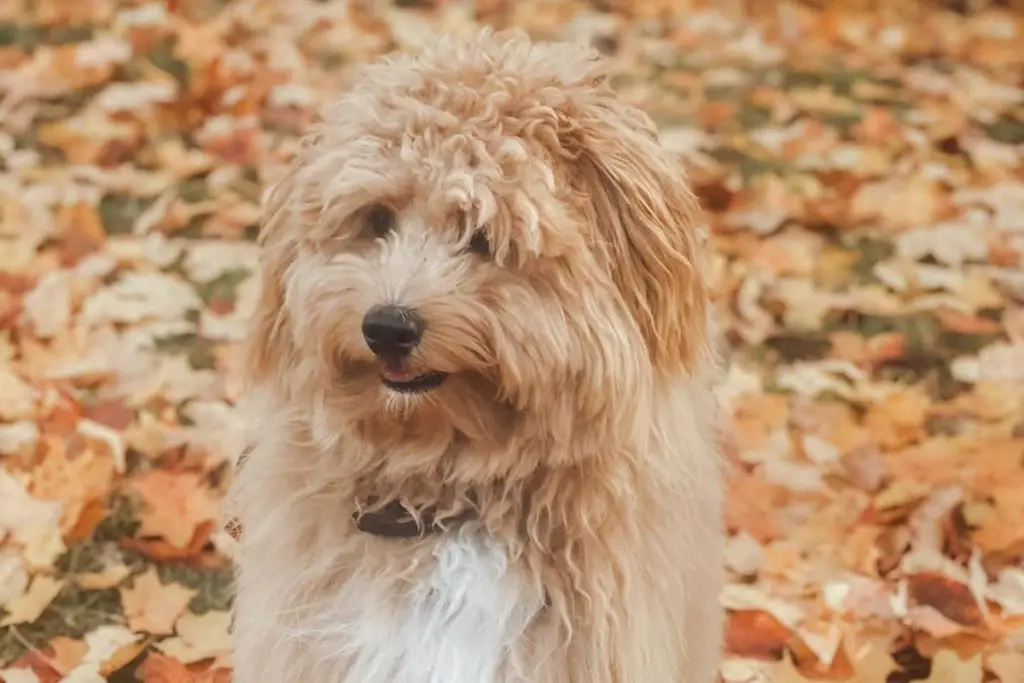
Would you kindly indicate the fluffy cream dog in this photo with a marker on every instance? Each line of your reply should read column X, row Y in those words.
column 483, row 445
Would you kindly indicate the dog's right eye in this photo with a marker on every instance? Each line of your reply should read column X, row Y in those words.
column 380, row 220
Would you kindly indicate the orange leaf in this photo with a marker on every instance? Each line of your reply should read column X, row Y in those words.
column 67, row 654
column 965, row 323
column 751, row 506
column 80, row 482
column 176, row 503
column 159, row 668
column 898, row 420
column 755, row 634
column 81, row 232
column 162, row 551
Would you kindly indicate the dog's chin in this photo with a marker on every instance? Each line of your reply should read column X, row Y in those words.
column 388, row 405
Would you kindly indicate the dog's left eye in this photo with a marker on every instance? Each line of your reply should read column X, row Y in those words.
column 380, row 220
column 479, row 244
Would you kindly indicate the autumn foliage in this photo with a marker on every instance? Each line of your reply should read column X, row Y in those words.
column 861, row 167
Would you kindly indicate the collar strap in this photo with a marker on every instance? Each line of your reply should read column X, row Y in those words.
column 394, row 521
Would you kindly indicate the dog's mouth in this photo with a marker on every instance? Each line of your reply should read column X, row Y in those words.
column 408, row 381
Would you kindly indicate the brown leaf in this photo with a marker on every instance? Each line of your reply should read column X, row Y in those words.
column 950, row 598
column 81, row 232
column 114, row 414
column 160, row 550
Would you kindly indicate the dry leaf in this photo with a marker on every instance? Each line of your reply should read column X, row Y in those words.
column 863, row 203
column 756, row 634
column 948, row 667
column 110, row 577
column 13, row 675
column 1007, row 666
column 176, row 504
column 151, row 606
column 160, row 669
column 66, row 654
column 108, row 649
column 18, row 397
column 200, row 636
column 27, row 608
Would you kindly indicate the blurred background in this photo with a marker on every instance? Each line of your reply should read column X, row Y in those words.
column 861, row 167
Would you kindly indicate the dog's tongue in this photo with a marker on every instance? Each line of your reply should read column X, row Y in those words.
column 395, row 373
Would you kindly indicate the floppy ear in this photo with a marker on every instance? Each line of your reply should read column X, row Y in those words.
column 270, row 340
column 645, row 217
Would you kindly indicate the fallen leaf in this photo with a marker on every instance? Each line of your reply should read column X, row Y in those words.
column 12, row 675
column 200, row 636
column 151, row 606
column 19, row 398
column 160, row 669
column 109, row 577
column 756, row 634
column 66, row 653
column 75, row 481
column 28, row 607
column 176, row 504
column 948, row 667
column 899, row 419
column 951, row 599
column 108, row 649
column 32, row 522
column 13, row 576
column 1007, row 666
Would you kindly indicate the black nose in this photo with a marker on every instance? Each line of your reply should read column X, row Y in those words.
column 392, row 331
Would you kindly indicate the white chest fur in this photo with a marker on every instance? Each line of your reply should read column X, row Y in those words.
column 458, row 624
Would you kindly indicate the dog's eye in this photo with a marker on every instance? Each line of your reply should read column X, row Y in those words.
column 479, row 244
column 380, row 220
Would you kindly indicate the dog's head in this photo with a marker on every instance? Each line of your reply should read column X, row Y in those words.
column 477, row 238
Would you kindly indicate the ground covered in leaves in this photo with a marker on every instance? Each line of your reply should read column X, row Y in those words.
column 864, row 184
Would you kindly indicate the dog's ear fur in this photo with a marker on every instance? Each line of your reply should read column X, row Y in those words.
column 645, row 218
column 270, row 335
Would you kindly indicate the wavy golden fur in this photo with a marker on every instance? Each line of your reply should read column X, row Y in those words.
column 576, row 417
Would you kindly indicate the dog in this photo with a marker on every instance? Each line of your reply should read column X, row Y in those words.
column 482, row 441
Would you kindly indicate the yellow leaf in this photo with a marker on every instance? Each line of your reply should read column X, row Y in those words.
column 151, row 606
column 1008, row 666
column 199, row 637
column 28, row 607
column 947, row 667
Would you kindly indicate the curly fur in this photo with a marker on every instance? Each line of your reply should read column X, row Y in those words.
column 577, row 416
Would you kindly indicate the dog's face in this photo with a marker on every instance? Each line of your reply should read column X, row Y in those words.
column 477, row 239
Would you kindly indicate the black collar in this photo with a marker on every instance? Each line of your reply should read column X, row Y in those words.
column 394, row 521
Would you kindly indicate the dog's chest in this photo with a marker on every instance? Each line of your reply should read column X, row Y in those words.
column 460, row 623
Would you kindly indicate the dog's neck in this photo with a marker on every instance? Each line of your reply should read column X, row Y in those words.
column 396, row 520
column 412, row 509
